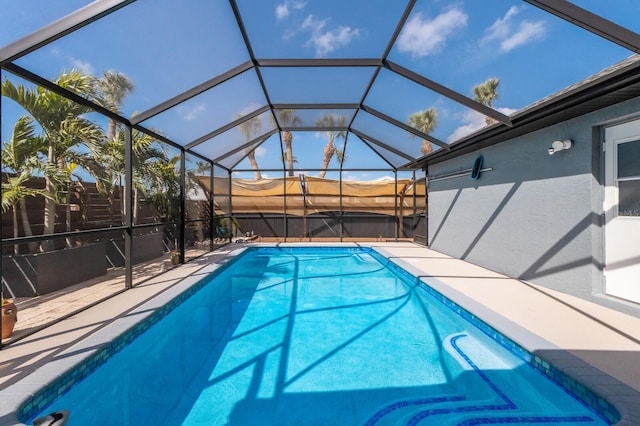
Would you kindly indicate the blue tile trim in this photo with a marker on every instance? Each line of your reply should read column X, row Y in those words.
column 508, row 404
column 525, row 419
column 485, row 378
column 572, row 387
column 45, row 397
column 60, row 386
column 408, row 403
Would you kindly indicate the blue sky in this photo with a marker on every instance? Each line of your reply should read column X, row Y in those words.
column 166, row 47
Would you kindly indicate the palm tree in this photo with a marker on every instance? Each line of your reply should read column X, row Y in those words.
column 486, row 93
column 145, row 158
column 424, row 121
column 19, row 160
column 64, row 128
column 249, row 129
column 164, row 187
column 288, row 118
column 331, row 121
column 113, row 87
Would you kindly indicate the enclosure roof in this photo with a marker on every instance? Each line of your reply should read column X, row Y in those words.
column 224, row 78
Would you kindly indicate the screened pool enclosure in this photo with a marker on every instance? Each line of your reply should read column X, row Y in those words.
column 138, row 135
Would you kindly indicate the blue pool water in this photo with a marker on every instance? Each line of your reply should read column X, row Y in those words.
column 311, row 336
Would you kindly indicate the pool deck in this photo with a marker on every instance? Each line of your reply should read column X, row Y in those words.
column 597, row 346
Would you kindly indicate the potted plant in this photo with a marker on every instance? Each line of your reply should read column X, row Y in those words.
column 174, row 253
column 9, row 317
column 175, row 257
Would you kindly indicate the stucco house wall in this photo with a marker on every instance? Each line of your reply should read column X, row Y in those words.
column 534, row 216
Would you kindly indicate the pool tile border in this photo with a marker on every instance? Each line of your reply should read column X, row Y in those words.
column 163, row 303
column 495, row 409
column 579, row 392
column 111, row 343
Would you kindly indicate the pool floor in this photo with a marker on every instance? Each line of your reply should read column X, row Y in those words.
column 321, row 340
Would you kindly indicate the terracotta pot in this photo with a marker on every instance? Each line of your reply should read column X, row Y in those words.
column 9, row 317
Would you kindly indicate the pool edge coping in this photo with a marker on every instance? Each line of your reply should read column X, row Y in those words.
column 16, row 396
column 622, row 397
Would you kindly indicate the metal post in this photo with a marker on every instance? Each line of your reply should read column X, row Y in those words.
column 426, row 209
column 284, row 203
column 395, row 204
column 212, row 224
column 230, row 209
column 128, row 207
column 303, row 190
column 341, row 212
column 413, row 201
column 1, row 244
column 183, row 195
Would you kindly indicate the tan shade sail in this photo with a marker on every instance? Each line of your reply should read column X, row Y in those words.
column 309, row 195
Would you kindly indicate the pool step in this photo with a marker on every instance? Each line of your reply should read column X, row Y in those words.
column 484, row 390
column 503, row 378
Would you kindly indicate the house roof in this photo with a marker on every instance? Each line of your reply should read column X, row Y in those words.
column 205, row 70
column 612, row 85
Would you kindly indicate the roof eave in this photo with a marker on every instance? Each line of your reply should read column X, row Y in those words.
column 612, row 86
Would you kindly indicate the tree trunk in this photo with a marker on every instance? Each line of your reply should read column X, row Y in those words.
column 68, row 215
column 112, row 130
column 489, row 120
column 26, row 225
column 49, row 207
column 329, row 151
column 135, row 205
column 254, row 164
column 49, row 218
column 14, row 215
column 288, row 143
column 110, row 199
column 122, row 200
column 426, row 147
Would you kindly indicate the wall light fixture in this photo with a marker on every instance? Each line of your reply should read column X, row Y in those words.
column 560, row 146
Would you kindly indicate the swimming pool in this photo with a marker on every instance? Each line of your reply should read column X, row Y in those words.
column 317, row 336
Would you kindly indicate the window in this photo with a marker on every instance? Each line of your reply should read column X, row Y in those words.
column 629, row 178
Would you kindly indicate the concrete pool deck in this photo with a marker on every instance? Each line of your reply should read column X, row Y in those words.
column 597, row 346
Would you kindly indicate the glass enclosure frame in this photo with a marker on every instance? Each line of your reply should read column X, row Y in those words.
column 198, row 212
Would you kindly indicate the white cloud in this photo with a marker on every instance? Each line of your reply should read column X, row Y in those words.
column 473, row 121
column 527, row 32
column 282, row 10
column 260, row 151
column 83, row 66
column 422, row 37
column 510, row 34
column 191, row 113
column 502, row 27
column 326, row 41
